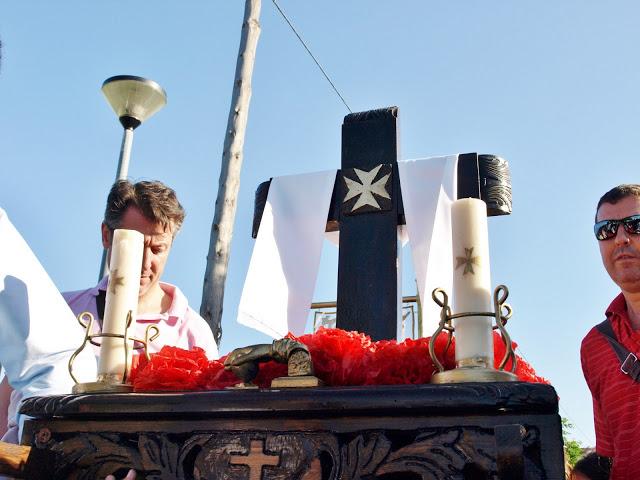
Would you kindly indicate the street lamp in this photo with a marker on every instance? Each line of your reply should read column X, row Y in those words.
column 134, row 100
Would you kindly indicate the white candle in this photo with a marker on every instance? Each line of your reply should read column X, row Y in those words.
column 122, row 296
column 472, row 290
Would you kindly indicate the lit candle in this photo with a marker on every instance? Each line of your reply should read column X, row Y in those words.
column 471, row 283
column 122, row 296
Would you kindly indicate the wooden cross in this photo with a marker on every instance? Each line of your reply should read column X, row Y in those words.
column 366, row 206
column 255, row 460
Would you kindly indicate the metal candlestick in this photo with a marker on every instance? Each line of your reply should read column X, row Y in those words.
column 109, row 382
column 468, row 370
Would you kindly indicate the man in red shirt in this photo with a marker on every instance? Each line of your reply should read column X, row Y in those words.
column 616, row 394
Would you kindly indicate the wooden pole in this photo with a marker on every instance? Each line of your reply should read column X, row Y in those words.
column 13, row 459
column 229, row 184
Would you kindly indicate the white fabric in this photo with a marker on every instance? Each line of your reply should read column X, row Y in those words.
column 428, row 188
column 279, row 286
column 400, row 331
column 11, row 435
column 281, row 278
column 38, row 332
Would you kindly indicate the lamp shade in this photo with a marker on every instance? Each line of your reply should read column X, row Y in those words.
column 134, row 98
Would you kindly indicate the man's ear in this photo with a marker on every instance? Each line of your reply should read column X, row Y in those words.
column 106, row 236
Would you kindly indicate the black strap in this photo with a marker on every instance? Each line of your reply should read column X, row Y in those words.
column 100, row 302
column 629, row 364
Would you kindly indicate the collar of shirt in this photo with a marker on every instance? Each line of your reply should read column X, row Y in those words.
column 177, row 310
column 619, row 318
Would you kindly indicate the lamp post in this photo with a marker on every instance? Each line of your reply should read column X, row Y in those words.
column 134, row 100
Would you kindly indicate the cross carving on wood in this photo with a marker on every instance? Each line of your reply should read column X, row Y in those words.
column 255, row 460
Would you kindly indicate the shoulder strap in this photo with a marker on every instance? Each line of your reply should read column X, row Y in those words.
column 606, row 329
column 100, row 303
column 629, row 362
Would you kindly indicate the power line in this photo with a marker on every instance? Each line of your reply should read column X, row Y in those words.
column 588, row 439
column 311, row 54
column 585, row 437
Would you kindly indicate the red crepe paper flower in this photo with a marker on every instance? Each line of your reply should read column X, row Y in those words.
column 268, row 371
column 339, row 357
column 137, row 364
column 524, row 370
column 173, row 369
column 215, row 377
column 408, row 362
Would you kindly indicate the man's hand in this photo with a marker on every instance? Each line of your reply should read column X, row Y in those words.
column 130, row 476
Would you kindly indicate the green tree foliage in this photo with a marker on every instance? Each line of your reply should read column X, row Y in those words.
column 573, row 448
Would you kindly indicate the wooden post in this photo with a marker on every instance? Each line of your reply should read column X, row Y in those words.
column 367, row 265
column 229, row 184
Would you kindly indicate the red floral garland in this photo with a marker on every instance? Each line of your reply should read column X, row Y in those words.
column 339, row 358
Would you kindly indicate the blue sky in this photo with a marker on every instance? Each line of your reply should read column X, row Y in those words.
column 550, row 86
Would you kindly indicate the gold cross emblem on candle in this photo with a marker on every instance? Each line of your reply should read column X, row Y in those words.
column 115, row 281
column 256, row 459
column 468, row 261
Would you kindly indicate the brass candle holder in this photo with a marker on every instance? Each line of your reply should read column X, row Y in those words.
column 470, row 369
column 110, row 382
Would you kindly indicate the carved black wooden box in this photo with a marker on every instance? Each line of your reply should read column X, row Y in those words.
column 464, row 431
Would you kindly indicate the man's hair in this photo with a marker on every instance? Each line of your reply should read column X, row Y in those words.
column 157, row 202
column 593, row 466
column 616, row 194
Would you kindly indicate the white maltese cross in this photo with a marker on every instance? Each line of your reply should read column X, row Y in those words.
column 367, row 188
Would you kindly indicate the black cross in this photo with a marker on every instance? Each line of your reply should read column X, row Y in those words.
column 368, row 220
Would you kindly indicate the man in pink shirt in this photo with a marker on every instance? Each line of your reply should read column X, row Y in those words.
column 153, row 209
column 179, row 325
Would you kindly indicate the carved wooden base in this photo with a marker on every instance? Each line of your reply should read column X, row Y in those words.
column 474, row 431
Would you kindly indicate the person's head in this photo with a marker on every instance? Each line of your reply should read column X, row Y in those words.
column 617, row 229
column 591, row 467
column 151, row 208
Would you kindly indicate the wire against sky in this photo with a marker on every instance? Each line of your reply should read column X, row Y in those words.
column 311, row 54
column 588, row 440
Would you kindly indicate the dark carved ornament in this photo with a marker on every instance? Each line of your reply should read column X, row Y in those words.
column 437, row 453
column 504, row 431
column 495, row 184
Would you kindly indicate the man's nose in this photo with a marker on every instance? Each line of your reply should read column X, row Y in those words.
column 146, row 260
column 622, row 237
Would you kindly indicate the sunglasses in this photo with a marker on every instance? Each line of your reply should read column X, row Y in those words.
column 607, row 229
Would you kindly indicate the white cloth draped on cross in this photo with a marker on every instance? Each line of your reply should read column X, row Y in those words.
column 38, row 331
column 280, row 282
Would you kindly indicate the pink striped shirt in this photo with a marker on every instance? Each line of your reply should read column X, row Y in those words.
column 179, row 326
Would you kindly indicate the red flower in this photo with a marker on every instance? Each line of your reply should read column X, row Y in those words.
column 524, row 371
column 268, row 371
column 171, row 369
column 339, row 358
column 215, row 377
